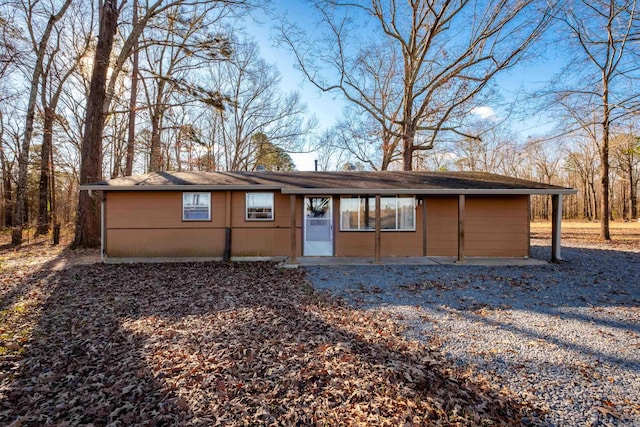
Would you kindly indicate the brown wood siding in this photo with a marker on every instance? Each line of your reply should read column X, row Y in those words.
column 401, row 243
column 442, row 226
column 281, row 210
column 149, row 224
column 497, row 226
column 168, row 242
column 355, row 243
column 263, row 242
column 157, row 209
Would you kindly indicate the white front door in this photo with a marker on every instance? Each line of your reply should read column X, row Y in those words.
column 318, row 226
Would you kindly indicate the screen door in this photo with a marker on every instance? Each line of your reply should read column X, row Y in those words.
column 318, row 226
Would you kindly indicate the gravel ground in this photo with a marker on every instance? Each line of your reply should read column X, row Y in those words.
column 565, row 337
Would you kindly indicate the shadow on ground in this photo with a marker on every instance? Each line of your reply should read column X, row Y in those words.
column 228, row 344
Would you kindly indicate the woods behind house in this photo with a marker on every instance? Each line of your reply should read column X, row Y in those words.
column 101, row 90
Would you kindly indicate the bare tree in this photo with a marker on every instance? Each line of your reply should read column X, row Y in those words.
column 182, row 45
column 625, row 150
column 7, row 174
column 596, row 92
column 69, row 45
column 101, row 93
column 11, row 55
column 88, row 221
column 133, row 100
column 583, row 161
column 436, row 58
column 10, row 52
column 257, row 106
column 365, row 139
column 40, row 45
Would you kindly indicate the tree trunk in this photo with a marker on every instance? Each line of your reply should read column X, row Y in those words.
column 8, row 198
column 88, row 219
column 44, row 187
column 128, row 170
column 407, row 149
column 633, row 198
column 23, row 156
column 54, row 215
column 604, row 164
column 7, row 193
column 155, row 154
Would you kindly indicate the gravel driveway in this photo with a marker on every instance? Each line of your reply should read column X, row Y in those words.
column 565, row 337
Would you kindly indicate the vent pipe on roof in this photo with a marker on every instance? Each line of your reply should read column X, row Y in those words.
column 316, row 164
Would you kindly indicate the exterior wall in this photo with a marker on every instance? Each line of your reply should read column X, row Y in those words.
column 149, row 224
column 495, row 226
column 442, row 226
column 362, row 243
column 264, row 238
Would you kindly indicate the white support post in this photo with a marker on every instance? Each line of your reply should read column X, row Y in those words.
column 556, row 225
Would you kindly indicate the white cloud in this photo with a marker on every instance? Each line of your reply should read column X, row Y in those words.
column 484, row 112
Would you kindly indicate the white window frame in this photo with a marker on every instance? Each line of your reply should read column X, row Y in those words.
column 204, row 197
column 359, row 198
column 247, row 206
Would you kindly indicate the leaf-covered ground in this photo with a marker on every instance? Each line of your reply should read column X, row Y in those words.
column 625, row 236
column 213, row 344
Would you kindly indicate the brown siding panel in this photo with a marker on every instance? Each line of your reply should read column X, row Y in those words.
column 355, row 243
column 402, row 243
column 148, row 243
column 157, row 209
column 497, row 226
column 442, row 226
column 263, row 242
column 149, row 224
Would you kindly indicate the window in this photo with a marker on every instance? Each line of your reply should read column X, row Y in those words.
column 359, row 213
column 259, row 206
column 196, row 206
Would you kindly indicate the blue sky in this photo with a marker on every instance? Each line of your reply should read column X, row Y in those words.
column 327, row 107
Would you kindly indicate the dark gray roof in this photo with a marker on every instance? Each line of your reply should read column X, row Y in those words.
column 347, row 182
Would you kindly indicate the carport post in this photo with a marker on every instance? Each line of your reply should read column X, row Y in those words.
column 461, row 227
column 226, row 256
column 377, row 243
column 292, row 208
column 556, row 225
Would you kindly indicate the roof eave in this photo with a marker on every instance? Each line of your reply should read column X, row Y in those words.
column 432, row 191
column 335, row 191
column 178, row 187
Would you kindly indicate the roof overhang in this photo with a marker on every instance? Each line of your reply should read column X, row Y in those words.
column 177, row 187
column 333, row 191
column 434, row 192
